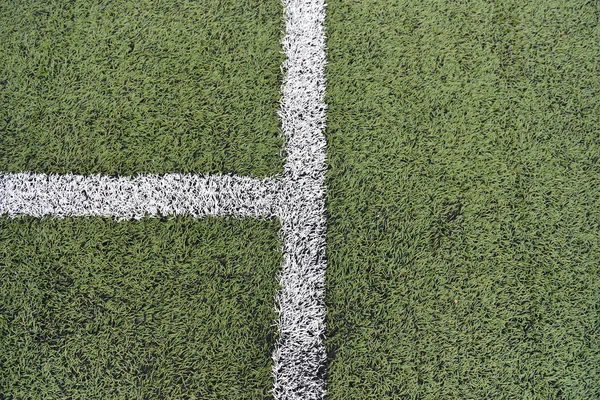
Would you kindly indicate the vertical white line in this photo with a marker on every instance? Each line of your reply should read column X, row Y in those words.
column 299, row 357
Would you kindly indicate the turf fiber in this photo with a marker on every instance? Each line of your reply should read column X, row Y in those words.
column 463, row 199
column 91, row 308
column 463, row 207
column 124, row 87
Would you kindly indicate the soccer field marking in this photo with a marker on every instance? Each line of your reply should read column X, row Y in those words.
column 300, row 356
column 297, row 198
column 197, row 196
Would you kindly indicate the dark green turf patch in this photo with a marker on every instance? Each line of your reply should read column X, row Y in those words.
column 91, row 308
column 123, row 87
column 464, row 216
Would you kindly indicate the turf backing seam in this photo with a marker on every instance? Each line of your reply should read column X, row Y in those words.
column 297, row 198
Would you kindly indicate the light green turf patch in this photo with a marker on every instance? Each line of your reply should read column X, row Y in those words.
column 124, row 87
column 464, row 216
column 91, row 308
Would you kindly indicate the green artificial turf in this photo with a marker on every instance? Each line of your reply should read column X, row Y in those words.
column 463, row 199
column 124, row 87
column 463, row 209
column 179, row 308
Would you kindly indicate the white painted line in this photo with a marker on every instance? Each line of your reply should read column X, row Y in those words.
column 297, row 198
column 69, row 195
column 300, row 356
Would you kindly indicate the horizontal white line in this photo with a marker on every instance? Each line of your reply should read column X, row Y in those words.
column 70, row 195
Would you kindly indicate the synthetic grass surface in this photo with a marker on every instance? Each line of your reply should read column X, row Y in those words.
column 463, row 199
column 463, row 203
column 91, row 308
column 124, row 87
